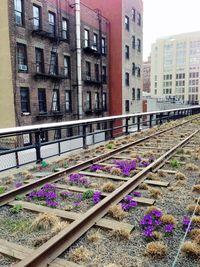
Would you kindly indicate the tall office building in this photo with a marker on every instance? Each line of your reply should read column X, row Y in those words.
column 175, row 67
column 125, row 52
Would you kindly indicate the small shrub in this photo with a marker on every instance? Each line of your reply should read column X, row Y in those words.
column 94, row 237
column 196, row 188
column 168, row 219
column 121, row 234
column 44, row 164
column 155, row 192
column 156, row 249
column 45, row 221
column 88, row 194
column 2, row 189
column 191, row 209
column 153, row 176
column 190, row 249
column 16, row 208
column 174, row 163
column 80, row 254
column 191, row 167
column 117, row 212
column 108, row 187
column 180, row 176
column 109, row 146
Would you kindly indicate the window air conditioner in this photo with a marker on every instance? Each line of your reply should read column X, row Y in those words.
column 23, row 67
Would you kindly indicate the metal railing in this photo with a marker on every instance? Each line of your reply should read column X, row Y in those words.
column 27, row 144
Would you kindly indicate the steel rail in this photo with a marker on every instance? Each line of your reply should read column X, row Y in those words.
column 59, row 243
column 10, row 195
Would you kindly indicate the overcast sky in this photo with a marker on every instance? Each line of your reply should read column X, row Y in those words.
column 168, row 17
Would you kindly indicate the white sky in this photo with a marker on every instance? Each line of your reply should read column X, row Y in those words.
column 168, row 17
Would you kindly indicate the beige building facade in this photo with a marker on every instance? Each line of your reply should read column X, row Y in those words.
column 175, row 67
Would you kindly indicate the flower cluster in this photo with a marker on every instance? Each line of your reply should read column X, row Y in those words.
column 126, row 166
column 136, row 194
column 47, row 194
column 95, row 168
column 96, row 197
column 78, row 179
column 128, row 203
column 152, row 222
column 18, row 184
column 186, row 223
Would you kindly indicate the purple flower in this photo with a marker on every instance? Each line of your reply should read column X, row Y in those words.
column 94, row 168
column 156, row 213
column 148, row 231
column 126, row 166
column 52, row 204
column 168, row 228
column 186, row 221
column 136, row 193
column 96, row 197
column 157, row 222
column 77, row 203
column 18, row 184
column 151, row 159
column 147, row 219
column 78, row 179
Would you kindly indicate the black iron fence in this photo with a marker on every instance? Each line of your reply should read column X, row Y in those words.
column 27, row 144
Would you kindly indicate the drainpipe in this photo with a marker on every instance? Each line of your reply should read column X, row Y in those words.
column 78, row 59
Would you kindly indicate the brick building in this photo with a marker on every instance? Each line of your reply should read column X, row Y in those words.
column 146, row 75
column 39, row 51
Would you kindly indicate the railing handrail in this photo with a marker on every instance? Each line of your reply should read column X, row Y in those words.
column 46, row 126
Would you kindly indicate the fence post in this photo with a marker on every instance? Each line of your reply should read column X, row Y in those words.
column 126, row 126
column 38, row 146
column 160, row 118
column 138, row 123
column 85, row 146
column 150, row 120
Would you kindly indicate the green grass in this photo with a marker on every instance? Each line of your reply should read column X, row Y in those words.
column 110, row 146
column 174, row 163
column 88, row 194
column 16, row 208
column 2, row 190
column 15, row 226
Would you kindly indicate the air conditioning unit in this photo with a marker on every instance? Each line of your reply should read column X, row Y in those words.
column 23, row 67
column 88, row 78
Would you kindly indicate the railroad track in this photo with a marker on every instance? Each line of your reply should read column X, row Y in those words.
column 50, row 250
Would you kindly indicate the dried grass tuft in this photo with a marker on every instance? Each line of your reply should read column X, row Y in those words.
column 94, row 237
column 190, row 249
column 196, row 220
column 29, row 176
column 191, row 209
column 191, row 167
column 40, row 240
column 80, row 254
column 143, row 186
column 25, row 172
column 117, row 212
column 153, row 176
column 168, row 219
column 196, row 188
column 156, row 249
column 157, row 235
column 10, row 179
column 45, row 221
column 194, row 233
column 115, row 171
column 197, row 239
column 59, row 226
column 155, row 192
column 180, row 183
column 121, row 234
column 108, row 187
column 161, row 173
column 180, row 176
column 151, row 208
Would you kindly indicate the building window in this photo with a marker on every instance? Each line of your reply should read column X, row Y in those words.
column 127, row 23
column 53, row 70
column 68, row 101
column 19, row 12
column 138, row 72
column 127, row 79
column 104, row 75
column 39, row 59
column 22, row 58
column 126, row 51
column 25, row 100
column 88, row 101
column 133, row 69
column 88, row 70
column 52, row 23
column 133, row 42
column 133, row 14
column 67, row 66
column 139, row 19
column 42, row 100
column 139, row 45
column 36, row 17
column 103, row 46
column 65, row 29
column 57, row 134
column 96, row 98
column 104, row 101
column 86, row 38
column 56, row 101
column 95, row 42
column 138, row 94
column 96, row 66
column 127, row 105
column 133, row 94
